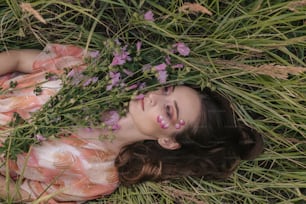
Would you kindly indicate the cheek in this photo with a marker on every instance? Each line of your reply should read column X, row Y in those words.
column 145, row 122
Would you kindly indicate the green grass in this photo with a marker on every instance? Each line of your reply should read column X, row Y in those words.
column 249, row 32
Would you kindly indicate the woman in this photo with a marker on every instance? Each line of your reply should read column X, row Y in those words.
column 171, row 132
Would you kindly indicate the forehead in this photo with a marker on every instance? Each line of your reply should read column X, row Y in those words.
column 188, row 102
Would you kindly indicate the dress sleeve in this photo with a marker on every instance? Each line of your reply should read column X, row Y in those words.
column 22, row 98
column 55, row 57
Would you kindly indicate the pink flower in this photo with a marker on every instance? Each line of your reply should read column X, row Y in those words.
column 111, row 119
column 94, row 54
column 138, row 46
column 115, row 78
column 117, row 41
column 128, row 72
column 109, row 87
column 40, row 137
column 162, row 76
column 182, row 48
column 134, row 86
column 160, row 67
column 120, row 57
column 149, row 16
column 72, row 73
column 139, row 97
column 175, row 66
column 115, row 127
column 142, row 85
column 90, row 81
column 76, row 76
column 146, row 67
column 168, row 60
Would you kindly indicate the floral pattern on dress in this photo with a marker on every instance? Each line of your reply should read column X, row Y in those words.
column 74, row 168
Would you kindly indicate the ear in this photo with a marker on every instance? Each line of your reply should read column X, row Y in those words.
column 168, row 143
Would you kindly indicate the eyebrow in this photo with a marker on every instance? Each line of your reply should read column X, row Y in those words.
column 177, row 110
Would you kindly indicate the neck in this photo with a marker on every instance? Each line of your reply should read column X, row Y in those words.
column 127, row 134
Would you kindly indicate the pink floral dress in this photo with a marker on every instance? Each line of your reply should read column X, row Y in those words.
column 76, row 168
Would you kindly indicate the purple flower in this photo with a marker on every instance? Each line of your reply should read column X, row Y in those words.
column 139, row 97
column 40, row 137
column 90, row 81
column 162, row 76
column 120, row 57
column 133, row 86
column 115, row 78
column 175, row 66
column 71, row 73
column 138, row 46
column 168, row 60
column 142, row 85
column 115, row 127
column 149, row 16
column 109, row 87
column 111, row 119
column 94, row 54
column 182, row 48
column 128, row 72
column 86, row 83
column 76, row 76
column 146, row 67
column 117, row 41
column 160, row 67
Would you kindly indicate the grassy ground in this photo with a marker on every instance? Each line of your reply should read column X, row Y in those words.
column 252, row 51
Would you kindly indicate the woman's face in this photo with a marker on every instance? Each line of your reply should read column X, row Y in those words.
column 166, row 111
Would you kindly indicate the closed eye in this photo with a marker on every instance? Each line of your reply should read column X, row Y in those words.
column 169, row 111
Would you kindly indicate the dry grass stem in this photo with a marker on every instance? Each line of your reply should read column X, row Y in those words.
column 273, row 70
column 26, row 7
column 279, row 71
column 193, row 8
column 177, row 193
column 293, row 5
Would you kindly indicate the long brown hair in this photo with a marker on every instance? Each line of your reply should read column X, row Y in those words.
column 211, row 149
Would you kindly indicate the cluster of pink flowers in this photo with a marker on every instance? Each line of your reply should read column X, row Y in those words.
column 115, row 79
column 118, row 70
column 111, row 119
column 77, row 77
column 123, row 56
